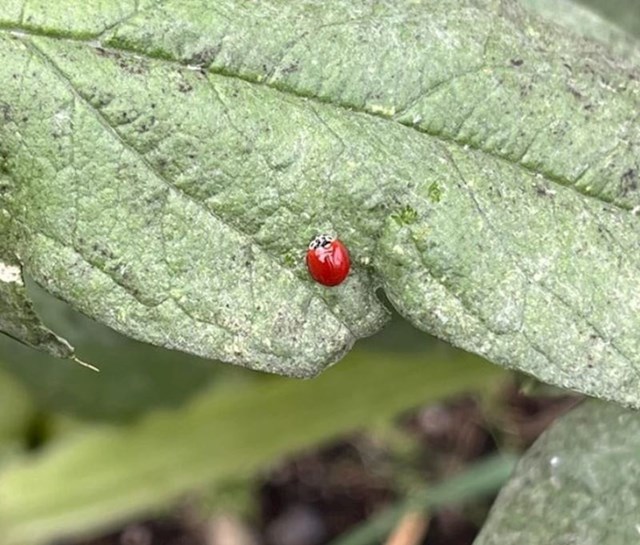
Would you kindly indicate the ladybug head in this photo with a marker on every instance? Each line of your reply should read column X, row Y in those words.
column 321, row 241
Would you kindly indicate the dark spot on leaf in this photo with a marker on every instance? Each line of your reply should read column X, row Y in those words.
column 146, row 124
column 575, row 92
column 281, row 165
column 99, row 99
column 103, row 52
column 102, row 251
column 525, row 90
column 4, row 187
column 544, row 191
column 124, row 118
column 205, row 56
column 184, row 86
column 517, row 62
column 629, row 181
column 5, row 111
column 129, row 64
column 289, row 69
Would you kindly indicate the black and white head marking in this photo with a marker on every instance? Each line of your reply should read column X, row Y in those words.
column 321, row 241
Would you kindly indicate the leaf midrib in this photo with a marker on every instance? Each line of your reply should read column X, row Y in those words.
column 93, row 42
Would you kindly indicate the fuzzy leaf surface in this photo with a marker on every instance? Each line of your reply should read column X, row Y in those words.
column 168, row 162
column 577, row 484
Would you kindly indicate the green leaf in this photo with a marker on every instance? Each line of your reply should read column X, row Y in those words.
column 113, row 473
column 577, row 484
column 169, row 162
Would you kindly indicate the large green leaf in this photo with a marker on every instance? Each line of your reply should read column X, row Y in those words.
column 579, row 483
column 97, row 478
column 170, row 160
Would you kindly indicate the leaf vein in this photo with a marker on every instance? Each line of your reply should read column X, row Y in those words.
column 288, row 90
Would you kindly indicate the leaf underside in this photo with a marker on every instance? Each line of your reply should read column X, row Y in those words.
column 168, row 162
column 577, row 484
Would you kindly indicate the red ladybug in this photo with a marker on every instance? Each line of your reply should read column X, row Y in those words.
column 328, row 260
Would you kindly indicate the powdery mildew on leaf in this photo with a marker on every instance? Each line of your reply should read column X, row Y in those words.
column 10, row 274
column 480, row 165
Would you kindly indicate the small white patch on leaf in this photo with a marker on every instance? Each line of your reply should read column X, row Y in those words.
column 10, row 274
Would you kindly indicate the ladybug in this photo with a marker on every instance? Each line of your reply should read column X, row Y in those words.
column 328, row 260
